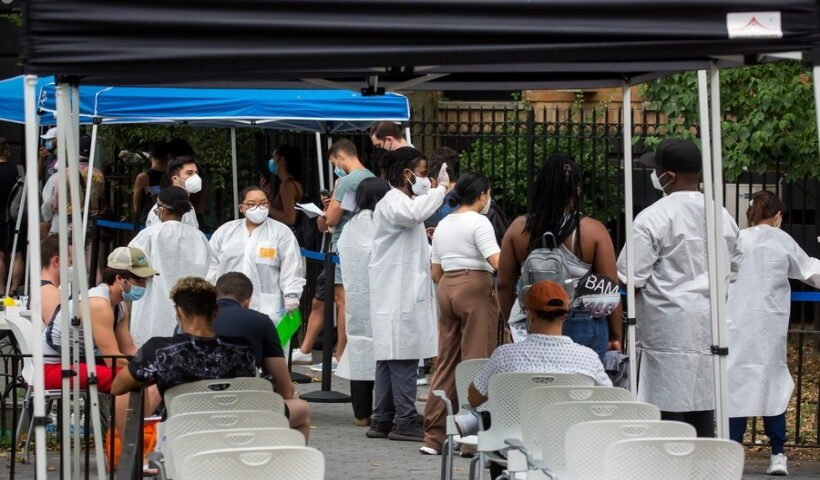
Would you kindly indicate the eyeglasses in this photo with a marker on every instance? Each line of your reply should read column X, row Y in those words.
column 263, row 203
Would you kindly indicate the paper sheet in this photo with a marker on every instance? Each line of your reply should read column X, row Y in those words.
column 311, row 210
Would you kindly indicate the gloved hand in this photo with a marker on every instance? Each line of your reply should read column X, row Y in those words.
column 291, row 303
column 443, row 176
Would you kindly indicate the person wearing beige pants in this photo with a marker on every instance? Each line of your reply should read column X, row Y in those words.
column 465, row 254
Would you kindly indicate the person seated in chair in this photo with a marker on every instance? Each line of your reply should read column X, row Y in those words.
column 195, row 354
column 235, row 318
column 545, row 350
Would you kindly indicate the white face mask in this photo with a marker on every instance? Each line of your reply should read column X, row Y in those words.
column 656, row 181
column 257, row 214
column 422, row 186
column 193, row 184
column 486, row 206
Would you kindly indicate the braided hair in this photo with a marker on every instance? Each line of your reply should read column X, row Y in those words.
column 399, row 160
column 555, row 207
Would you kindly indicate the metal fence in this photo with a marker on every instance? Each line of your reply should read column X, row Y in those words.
column 508, row 143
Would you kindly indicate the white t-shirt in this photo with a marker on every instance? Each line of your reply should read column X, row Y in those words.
column 464, row 241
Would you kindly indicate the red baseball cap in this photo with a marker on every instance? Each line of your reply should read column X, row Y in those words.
column 547, row 296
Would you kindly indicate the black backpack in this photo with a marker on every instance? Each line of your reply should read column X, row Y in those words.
column 306, row 230
column 16, row 197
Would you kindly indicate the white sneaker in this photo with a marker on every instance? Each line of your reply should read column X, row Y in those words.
column 421, row 381
column 318, row 366
column 297, row 357
column 777, row 465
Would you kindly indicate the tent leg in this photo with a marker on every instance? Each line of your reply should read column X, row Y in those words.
column 63, row 101
column 91, row 157
column 816, row 83
column 329, row 142
column 235, row 175
column 407, row 135
column 320, row 160
column 630, row 243
column 721, row 377
column 33, row 219
column 81, row 277
column 709, row 210
column 17, row 226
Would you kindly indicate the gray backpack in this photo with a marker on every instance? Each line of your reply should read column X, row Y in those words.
column 544, row 263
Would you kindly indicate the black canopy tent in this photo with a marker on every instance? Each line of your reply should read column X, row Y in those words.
column 470, row 41
column 424, row 44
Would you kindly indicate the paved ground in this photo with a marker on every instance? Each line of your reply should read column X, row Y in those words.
column 351, row 455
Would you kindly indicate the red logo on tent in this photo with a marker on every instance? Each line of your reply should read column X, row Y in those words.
column 755, row 23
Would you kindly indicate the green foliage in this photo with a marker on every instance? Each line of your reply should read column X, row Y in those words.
column 502, row 155
column 213, row 151
column 768, row 111
column 14, row 17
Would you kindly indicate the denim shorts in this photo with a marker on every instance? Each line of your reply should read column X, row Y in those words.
column 585, row 330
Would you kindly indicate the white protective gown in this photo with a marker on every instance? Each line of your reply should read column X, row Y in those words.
column 188, row 218
column 674, row 329
column 269, row 256
column 357, row 362
column 175, row 250
column 402, row 306
column 757, row 315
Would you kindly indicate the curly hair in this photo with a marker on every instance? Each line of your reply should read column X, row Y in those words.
column 194, row 296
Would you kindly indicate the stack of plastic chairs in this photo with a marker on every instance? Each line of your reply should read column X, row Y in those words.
column 231, row 428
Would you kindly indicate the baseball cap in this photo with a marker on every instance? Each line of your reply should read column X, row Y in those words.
column 547, row 296
column 131, row 259
column 51, row 133
column 674, row 154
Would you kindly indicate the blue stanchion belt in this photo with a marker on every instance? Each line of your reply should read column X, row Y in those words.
column 319, row 256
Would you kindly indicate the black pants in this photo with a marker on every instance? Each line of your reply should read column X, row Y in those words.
column 702, row 420
column 361, row 395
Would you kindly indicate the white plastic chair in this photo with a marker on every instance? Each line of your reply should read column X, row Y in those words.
column 674, row 459
column 504, row 396
column 218, row 385
column 23, row 333
column 534, row 400
column 270, row 463
column 465, row 372
column 587, row 440
column 191, row 443
column 200, row 421
column 226, row 401
column 557, row 418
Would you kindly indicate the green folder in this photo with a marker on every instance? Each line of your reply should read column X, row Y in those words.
column 288, row 325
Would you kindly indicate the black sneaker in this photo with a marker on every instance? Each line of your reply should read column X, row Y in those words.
column 410, row 432
column 379, row 429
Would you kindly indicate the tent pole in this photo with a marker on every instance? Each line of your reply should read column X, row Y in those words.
column 62, row 223
column 721, row 376
column 33, row 219
column 330, row 173
column 91, row 157
column 81, row 279
column 407, row 135
column 630, row 243
column 74, row 116
column 816, row 82
column 235, row 175
column 320, row 160
column 709, row 204
column 17, row 226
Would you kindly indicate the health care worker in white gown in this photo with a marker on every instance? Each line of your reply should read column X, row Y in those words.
column 357, row 363
column 402, row 309
column 263, row 249
column 757, row 315
column 175, row 250
column 183, row 173
column 674, row 329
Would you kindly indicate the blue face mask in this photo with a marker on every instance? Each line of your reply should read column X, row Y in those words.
column 339, row 172
column 273, row 167
column 49, row 144
column 134, row 294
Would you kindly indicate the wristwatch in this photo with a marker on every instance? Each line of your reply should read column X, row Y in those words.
column 292, row 295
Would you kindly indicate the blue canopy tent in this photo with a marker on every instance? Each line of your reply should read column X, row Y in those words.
column 326, row 111
column 318, row 111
